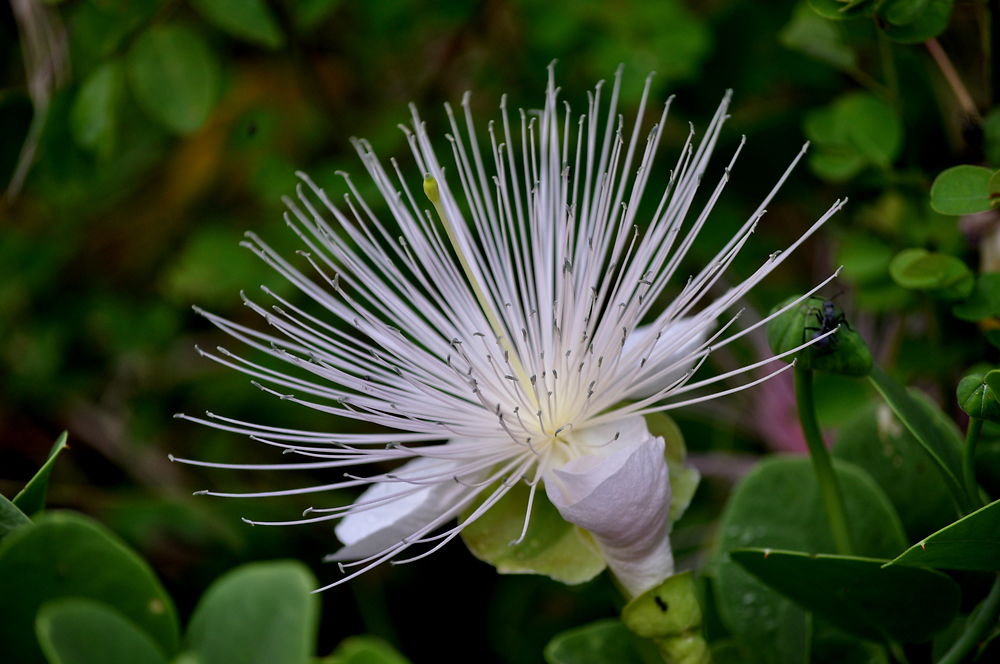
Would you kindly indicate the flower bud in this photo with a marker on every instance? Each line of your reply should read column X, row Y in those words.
column 978, row 395
column 669, row 614
column 843, row 351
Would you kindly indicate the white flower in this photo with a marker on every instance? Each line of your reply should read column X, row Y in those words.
column 497, row 339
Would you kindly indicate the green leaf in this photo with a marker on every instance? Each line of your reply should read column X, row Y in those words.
column 174, row 77
column 984, row 302
column 308, row 14
column 856, row 130
column 31, row 498
column 902, row 12
column 82, row 631
column 818, row 38
column 871, row 126
column 994, row 187
column 601, row 642
column 258, row 613
column 943, row 450
column 251, row 20
column 836, row 166
column 778, row 505
column 971, row 543
column 364, row 650
column 93, row 117
column 64, row 555
column 552, row 546
column 11, row 517
column 857, row 595
column 878, row 442
column 842, row 9
column 962, row 190
column 931, row 21
column 941, row 275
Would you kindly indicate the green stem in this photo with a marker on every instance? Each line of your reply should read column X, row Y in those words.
column 969, row 461
column 888, row 68
column 982, row 621
column 833, row 499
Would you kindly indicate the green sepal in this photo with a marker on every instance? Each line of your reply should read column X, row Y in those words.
column 670, row 616
column 843, row 352
column 551, row 547
column 977, row 395
column 684, row 479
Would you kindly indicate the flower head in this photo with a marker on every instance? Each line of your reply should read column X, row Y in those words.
column 490, row 324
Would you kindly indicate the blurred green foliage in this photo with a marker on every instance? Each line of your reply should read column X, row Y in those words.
column 181, row 124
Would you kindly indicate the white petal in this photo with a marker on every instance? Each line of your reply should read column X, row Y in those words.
column 369, row 531
column 666, row 351
column 622, row 498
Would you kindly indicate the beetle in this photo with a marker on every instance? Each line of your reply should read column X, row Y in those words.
column 828, row 318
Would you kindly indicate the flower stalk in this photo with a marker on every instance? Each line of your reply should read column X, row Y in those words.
column 833, row 499
column 969, row 462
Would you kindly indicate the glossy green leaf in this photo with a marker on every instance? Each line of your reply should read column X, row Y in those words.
column 68, row 555
column 877, row 441
column 251, row 20
column 94, row 115
column 11, row 517
column 82, row 631
column 174, row 77
column 818, row 38
column 929, row 22
column 31, row 498
column 943, row 450
column 857, row 595
column 778, row 505
column 601, row 642
column 962, row 190
column 940, row 275
column 261, row 613
column 364, row 650
column 552, row 546
column 971, row 543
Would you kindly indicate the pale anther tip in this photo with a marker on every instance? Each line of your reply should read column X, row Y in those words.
column 202, row 492
column 171, row 458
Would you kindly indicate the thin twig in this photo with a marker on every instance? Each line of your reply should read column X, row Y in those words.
column 954, row 80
